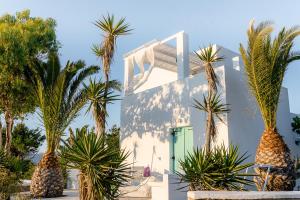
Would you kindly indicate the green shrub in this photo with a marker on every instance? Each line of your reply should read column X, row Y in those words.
column 102, row 168
column 9, row 176
column 219, row 169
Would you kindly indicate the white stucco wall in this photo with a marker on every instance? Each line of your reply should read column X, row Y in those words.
column 148, row 116
column 164, row 76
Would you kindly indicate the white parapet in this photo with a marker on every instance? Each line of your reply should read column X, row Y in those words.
column 197, row 195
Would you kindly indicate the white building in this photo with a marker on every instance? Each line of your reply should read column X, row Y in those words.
column 159, row 124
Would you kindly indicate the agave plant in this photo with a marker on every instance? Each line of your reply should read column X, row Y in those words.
column 214, row 109
column 102, row 170
column 266, row 61
column 98, row 99
column 220, row 169
column 111, row 30
column 60, row 97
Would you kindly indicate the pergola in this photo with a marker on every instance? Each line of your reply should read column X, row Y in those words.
column 163, row 55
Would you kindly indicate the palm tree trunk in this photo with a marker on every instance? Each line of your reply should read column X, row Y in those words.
column 99, row 122
column 212, row 90
column 1, row 138
column 103, row 113
column 9, row 126
column 208, row 131
column 47, row 179
column 273, row 151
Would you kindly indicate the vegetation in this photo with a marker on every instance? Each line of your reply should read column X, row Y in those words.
column 219, row 169
column 23, row 40
column 211, row 104
column 9, row 175
column 26, row 141
column 25, row 144
column 113, row 137
column 98, row 97
column 266, row 61
column 60, row 98
column 296, row 125
column 111, row 30
column 102, row 169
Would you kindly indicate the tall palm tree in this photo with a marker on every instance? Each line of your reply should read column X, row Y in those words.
column 111, row 30
column 95, row 93
column 59, row 98
column 266, row 61
column 209, row 56
column 217, row 109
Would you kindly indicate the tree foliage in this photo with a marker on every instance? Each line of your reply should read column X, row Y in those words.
column 59, row 94
column 26, row 141
column 111, row 29
column 22, row 40
column 99, row 94
column 296, row 124
column 266, row 61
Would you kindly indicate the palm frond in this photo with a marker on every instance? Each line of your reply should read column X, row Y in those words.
column 111, row 30
column 214, row 105
column 209, row 56
column 266, row 61
column 104, row 169
column 58, row 94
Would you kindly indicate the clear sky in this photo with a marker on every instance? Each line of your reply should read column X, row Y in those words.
column 206, row 21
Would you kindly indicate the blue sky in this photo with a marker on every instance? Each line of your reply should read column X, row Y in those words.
column 206, row 21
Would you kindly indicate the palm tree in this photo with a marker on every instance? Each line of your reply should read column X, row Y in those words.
column 209, row 56
column 59, row 98
column 95, row 93
column 266, row 61
column 217, row 109
column 102, row 170
column 111, row 31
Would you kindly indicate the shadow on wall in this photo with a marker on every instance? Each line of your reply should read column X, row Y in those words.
column 156, row 110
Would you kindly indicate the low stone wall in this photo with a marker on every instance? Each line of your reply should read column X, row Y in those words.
column 251, row 195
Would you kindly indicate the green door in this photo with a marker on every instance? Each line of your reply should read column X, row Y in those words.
column 182, row 144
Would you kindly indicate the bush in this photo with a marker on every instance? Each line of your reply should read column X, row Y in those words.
column 102, row 168
column 220, row 169
column 9, row 176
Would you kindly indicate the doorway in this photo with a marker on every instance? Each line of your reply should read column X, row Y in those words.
column 182, row 144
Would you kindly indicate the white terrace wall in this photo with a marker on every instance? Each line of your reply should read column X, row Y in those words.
column 148, row 116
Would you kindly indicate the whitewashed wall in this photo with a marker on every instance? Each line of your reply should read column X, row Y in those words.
column 148, row 116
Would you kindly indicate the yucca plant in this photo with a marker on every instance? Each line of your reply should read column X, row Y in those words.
column 208, row 56
column 220, row 169
column 103, row 170
column 214, row 109
column 60, row 97
column 266, row 61
column 111, row 29
column 95, row 92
